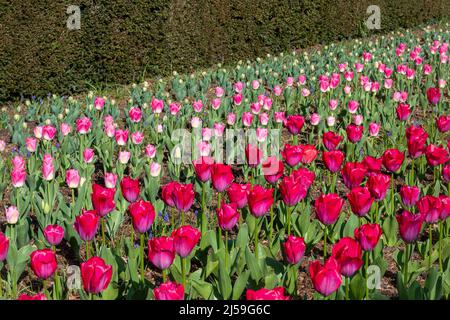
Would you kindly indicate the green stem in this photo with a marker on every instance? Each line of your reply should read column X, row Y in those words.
column 405, row 275
column 73, row 197
column 88, row 253
column 226, row 249
column 441, row 231
column 367, row 275
column 103, row 231
column 392, row 195
column 255, row 236
column 142, row 259
column 347, row 287
column 183, row 271
column 203, row 216
column 289, row 212
column 430, row 234
column 325, row 243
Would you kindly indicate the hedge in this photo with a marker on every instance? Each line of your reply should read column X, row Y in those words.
column 121, row 41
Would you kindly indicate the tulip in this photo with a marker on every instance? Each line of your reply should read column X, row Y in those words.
column 185, row 239
column 12, row 215
column 155, row 169
column 403, row 111
column 373, row 165
column 43, row 263
column 110, row 180
column 446, row 173
column 333, row 160
column 228, row 215
column 31, row 144
column 88, row 155
column 360, row 200
column 374, row 129
column 86, row 226
column 121, row 137
column 48, row 169
column 266, row 294
column 348, row 254
column 292, row 190
column 354, row 132
column 430, row 207
column 416, row 137
column 142, row 215
column 292, row 154
column 221, row 176
column 18, row 178
column 54, row 234
column 436, row 155
column 331, row 140
column 135, row 114
column 443, row 123
column 253, row 155
column 378, row 184
column 166, row 193
column 307, row 177
column 183, row 196
column 353, row 174
column 202, row 167
column 150, row 151
column 169, row 291
column 368, row 236
column 409, row 195
column 83, row 125
column 260, row 200
column 309, row 153
column 433, row 95
column 328, row 207
column 39, row 296
column 96, row 275
column 238, row 194
column 48, row 132
column 293, row 249
column 410, row 225
column 326, row 278
column 130, row 189
column 272, row 169
column 4, row 246
column 393, row 159
column 157, row 105
column 161, row 253
column 103, row 199
column 65, row 129
column 294, row 123
column 72, row 178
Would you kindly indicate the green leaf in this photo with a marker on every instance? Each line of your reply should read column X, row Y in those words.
column 390, row 227
column 240, row 284
column 253, row 265
column 357, row 287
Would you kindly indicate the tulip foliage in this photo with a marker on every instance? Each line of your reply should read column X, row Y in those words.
column 337, row 184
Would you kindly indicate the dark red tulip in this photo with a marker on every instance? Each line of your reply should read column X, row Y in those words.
column 238, row 193
column 416, row 138
column 266, row 294
column 446, row 173
column 354, row 132
column 378, row 185
column 348, row 254
column 353, row 174
column 331, row 140
column 253, row 155
column 443, row 123
column 333, row 160
column 227, row 215
column 167, row 191
column 326, row 278
column 409, row 225
column 292, row 154
column 373, row 165
column 96, row 275
column 53, row 234
column 433, row 95
column 409, row 195
column 436, row 155
column 161, row 252
column 393, row 159
column 430, row 207
column 39, row 296
column 130, row 189
column 185, row 238
column 183, row 196
column 4, row 246
column 293, row 249
column 306, row 176
column 294, row 123
column 260, row 200
column 368, row 236
column 403, row 111
column 445, row 212
column 360, row 200
column 103, row 199
column 309, row 153
column 43, row 263
column 169, row 291
column 328, row 207
column 272, row 169
column 86, row 224
column 202, row 167
column 221, row 176
column 292, row 190
column 142, row 214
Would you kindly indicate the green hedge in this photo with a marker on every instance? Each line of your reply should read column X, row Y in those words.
column 122, row 40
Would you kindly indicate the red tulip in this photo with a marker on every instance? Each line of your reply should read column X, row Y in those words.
column 161, row 252
column 86, row 224
column 142, row 214
column 43, row 263
column 433, row 95
column 292, row 154
column 436, row 155
column 272, row 169
column 54, row 234
column 326, row 278
column 130, row 189
column 221, row 176
column 293, row 249
column 409, row 195
column 403, row 111
column 331, row 140
column 430, row 207
column 292, row 190
column 266, row 294
column 393, row 159
column 169, row 291
column 368, row 236
column 353, row 174
column 260, row 200
column 185, row 238
column 348, row 254
column 443, row 123
column 378, row 184
column 306, row 176
column 253, row 155
column 103, row 199
column 416, row 137
column 445, row 212
column 328, row 207
column 96, row 275
column 294, row 123
column 166, row 193
column 309, row 153
column 409, row 225
column 446, row 173
column 227, row 215
column 202, row 167
column 4, row 246
column 354, row 132
column 238, row 194
column 333, row 160
column 360, row 200
column 183, row 196
column 39, row 296
column 373, row 165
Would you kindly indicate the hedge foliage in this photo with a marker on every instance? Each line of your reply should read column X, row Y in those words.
column 120, row 41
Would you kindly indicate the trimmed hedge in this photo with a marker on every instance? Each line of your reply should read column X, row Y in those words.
column 120, row 41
